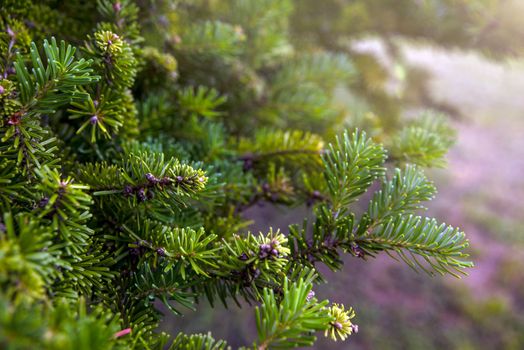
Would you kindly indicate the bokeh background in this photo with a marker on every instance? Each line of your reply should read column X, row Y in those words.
column 478, row 79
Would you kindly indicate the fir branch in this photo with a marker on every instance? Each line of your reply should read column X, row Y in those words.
column 52, row 85
column 27, row 260
column 438, row 245
column 114, row 57
column 164, row 283
column 198, row 341
column 424, row 142
column 66, row 205
column 24, row 325
column 201, row 101
column 281, row 148
column 211, row 38
column 403, row 193
column 321, row 69
column 351, row 165
column 186, row 249
column 289, row 322
column 11, row 186
column 144, row 176
column 28, row 143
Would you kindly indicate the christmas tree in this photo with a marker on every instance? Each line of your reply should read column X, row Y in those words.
column 133, row 136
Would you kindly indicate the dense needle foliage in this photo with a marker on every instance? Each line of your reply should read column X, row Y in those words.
column 133, row 136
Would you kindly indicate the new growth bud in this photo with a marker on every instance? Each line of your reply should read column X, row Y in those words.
column 151, row 178
column 268, row 250
column 141, row 194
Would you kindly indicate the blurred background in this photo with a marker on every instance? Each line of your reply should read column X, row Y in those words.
column 461, row 57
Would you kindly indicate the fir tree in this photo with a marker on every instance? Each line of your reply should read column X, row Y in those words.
column 133, row 135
